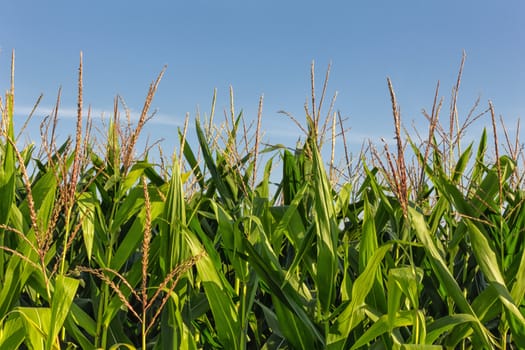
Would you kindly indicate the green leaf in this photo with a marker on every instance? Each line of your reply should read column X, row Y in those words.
column 43, row 191
column 462, row 164
column 488, row 263
column 173, row 249
column 266, row 264
column 293, row 329
column 382, row 326
column 134, row 235
column 37, row 322
column 192, row 161
column 217, row 178
column 130, row 205
column 121, row 346
column 518, row 289
column 65, row 290
column 79, row 325
column 444, row 324
column 327, row 233
column 132, row 177
column 445, row 277
column 220, row 301
column 7, row 167
column 353, row 314
column 12, row 332
column 87, row 205
column 16, row 274
column 368, row 241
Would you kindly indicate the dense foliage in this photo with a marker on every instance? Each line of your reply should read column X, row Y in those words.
column 103, row 249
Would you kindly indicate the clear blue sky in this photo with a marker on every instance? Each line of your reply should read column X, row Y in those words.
column 266, row 47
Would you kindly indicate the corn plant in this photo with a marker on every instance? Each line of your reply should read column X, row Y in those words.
column 235, row 244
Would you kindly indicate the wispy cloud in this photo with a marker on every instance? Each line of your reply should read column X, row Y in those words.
column 96, row 113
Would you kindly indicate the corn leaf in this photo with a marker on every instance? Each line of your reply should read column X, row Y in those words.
column 12, row 332
column 65, row 290
column 445, row 277
column 489, row 265
column 353, row 314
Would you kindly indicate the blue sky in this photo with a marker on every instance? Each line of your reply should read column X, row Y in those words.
column 266, row 47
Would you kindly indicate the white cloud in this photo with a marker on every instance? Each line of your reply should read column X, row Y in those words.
column 96, row 114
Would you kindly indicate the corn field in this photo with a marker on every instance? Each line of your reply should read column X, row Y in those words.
column 235, row 244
